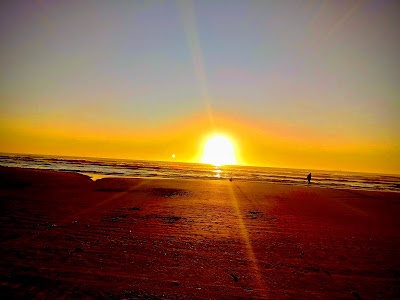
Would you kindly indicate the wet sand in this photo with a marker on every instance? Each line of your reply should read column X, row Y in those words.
column 64, row 236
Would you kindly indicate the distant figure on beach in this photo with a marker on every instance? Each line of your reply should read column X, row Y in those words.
column 231, row 177
column 309, row 178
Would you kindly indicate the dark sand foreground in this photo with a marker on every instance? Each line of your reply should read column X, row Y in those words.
column 65, row 236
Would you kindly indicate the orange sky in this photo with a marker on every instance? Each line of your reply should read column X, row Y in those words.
column 256, row 143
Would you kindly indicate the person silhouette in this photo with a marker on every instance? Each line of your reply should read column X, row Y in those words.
column 309, row 178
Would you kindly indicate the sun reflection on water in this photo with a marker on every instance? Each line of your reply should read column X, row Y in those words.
column 218, row 173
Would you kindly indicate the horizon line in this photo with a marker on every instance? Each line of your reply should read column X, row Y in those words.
column 200, row 163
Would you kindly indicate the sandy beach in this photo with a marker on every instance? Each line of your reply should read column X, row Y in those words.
column 66, row 236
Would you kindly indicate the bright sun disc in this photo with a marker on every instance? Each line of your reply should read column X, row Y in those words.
column 218, row 151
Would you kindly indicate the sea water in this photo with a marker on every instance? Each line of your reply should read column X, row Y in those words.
column 105, row 167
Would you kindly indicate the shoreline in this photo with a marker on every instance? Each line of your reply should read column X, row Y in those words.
column 63, row 234
column 95, row 177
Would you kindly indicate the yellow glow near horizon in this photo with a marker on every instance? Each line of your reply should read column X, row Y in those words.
column 218, row 151
column 255, row 143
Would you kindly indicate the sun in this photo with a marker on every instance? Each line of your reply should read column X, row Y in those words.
column 218, row 151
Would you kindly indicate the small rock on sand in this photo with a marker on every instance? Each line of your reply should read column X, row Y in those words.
column 234, row 277
column 357, row 295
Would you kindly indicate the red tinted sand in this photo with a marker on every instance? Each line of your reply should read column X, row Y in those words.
column 63, row 235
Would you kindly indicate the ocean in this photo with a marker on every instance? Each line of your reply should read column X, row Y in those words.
column 97, row 168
